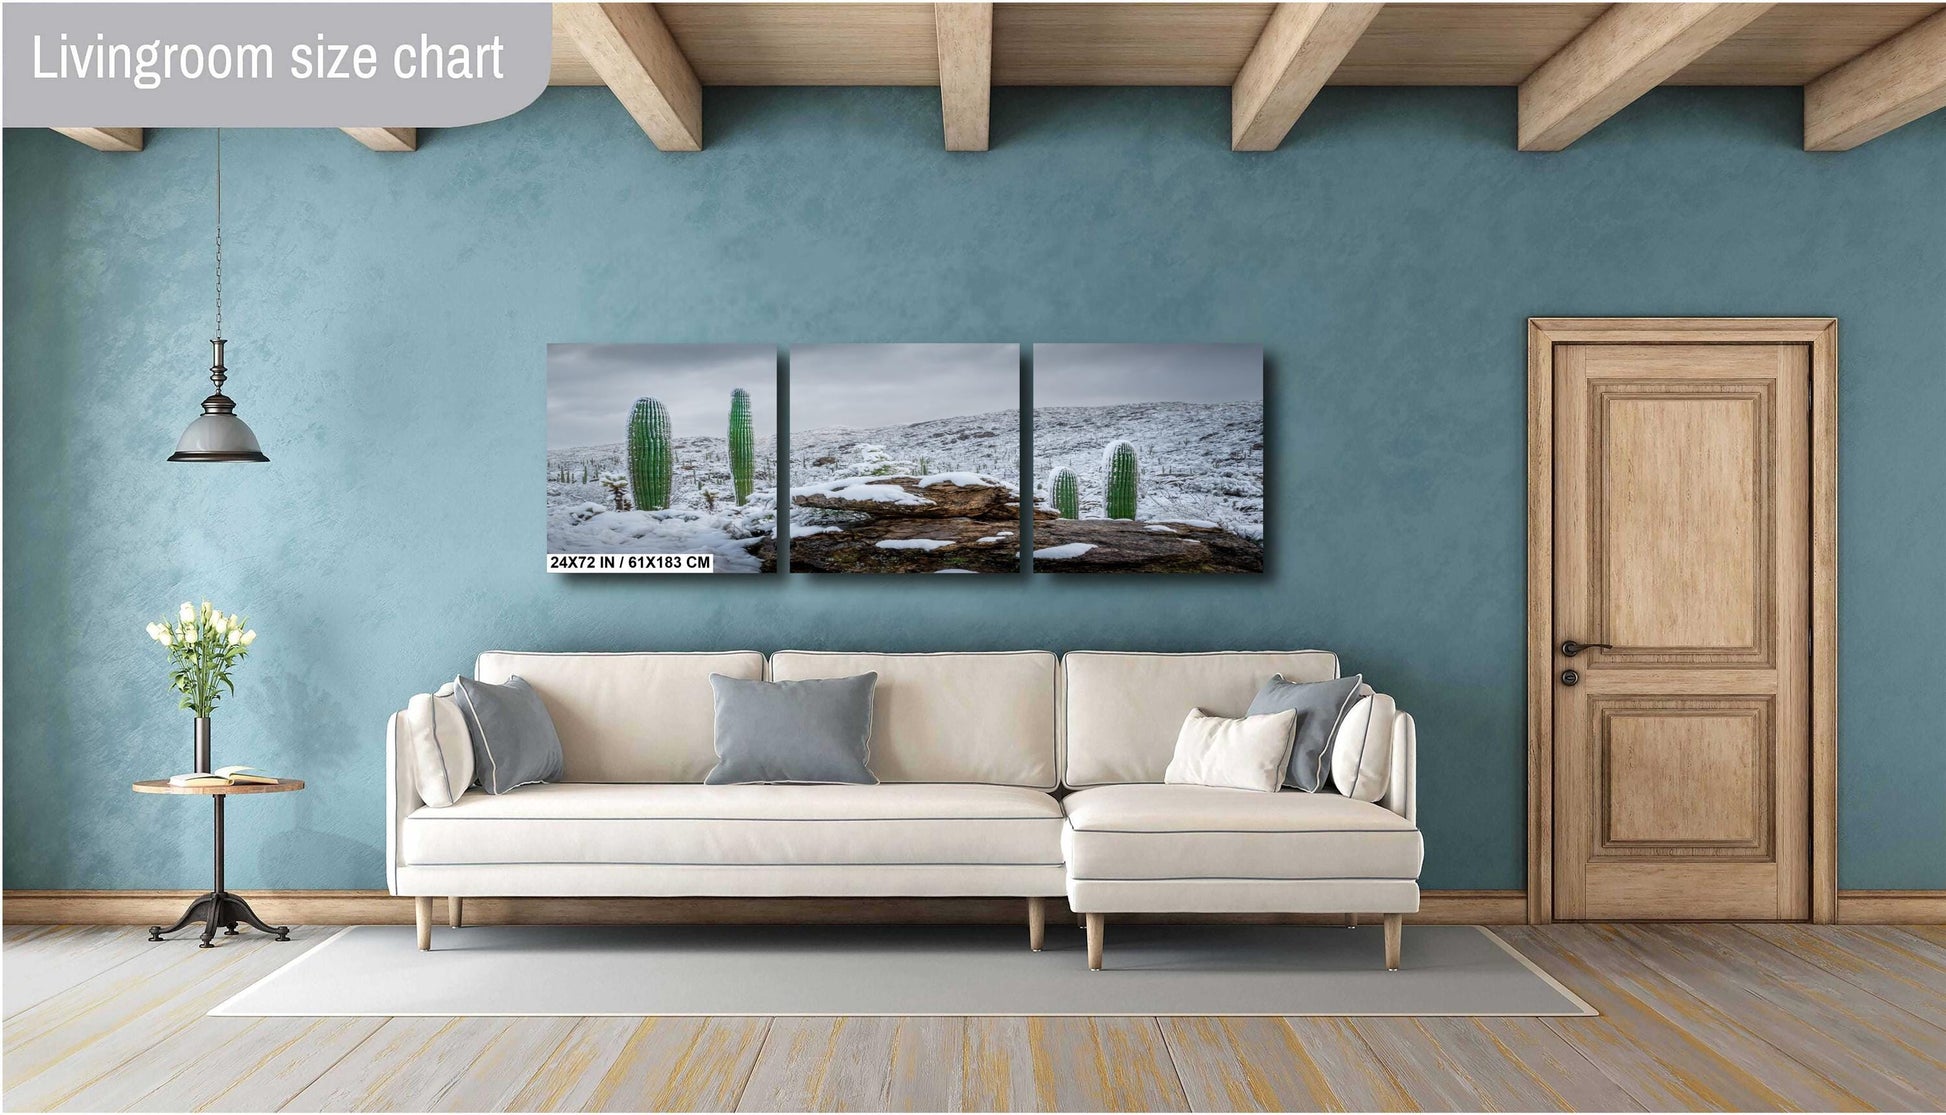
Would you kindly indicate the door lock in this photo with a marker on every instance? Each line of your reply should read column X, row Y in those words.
column 1570, row 648
column 1570, row 677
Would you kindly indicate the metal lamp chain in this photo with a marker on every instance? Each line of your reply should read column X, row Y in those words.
column 219, row 232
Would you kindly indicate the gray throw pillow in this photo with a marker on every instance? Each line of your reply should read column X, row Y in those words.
column 514, row 743
column 1319, row 706
column 793, row 731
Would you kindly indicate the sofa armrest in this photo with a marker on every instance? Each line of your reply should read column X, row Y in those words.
column 401, row 798
column 1402, row 793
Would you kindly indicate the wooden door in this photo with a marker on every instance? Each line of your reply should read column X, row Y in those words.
column 1682, row 512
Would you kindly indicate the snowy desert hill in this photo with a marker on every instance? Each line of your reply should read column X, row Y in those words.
column 983, row 443
column 1198, row 461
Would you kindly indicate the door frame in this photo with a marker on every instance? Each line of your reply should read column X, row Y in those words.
column 1821, row 334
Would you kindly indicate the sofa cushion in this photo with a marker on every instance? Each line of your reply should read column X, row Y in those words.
column 1201, row 832
column 1123, row 709
column 813, row 732
column 514, row 742
column 1241, row 753
column 754, row 825
column 1320, row 706
column 433, row 732
column 1361, row 751
column 647, row 717
column 957, row 717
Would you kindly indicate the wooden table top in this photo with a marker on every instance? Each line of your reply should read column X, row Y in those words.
column 161, row 786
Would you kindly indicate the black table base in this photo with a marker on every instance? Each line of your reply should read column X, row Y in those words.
column 219, row 906
column 224, row 909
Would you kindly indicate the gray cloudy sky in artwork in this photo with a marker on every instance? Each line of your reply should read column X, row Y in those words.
column 863, row 386
column 591, row 388
column 1103, row 375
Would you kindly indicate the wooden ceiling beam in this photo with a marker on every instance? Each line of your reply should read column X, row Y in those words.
column 965, row 34
column 106, row 139
column 640, row 62
column 1886, row 87
column 385, row 139
column 1629, row 50
column 1298, row 51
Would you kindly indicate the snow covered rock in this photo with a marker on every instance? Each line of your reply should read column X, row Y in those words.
column 960, row 522
column 942, row 496
column 1131, row 546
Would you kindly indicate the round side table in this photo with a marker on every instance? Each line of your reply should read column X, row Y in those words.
column 219, row 906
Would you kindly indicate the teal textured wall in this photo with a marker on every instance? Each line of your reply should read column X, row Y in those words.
column 388, row 315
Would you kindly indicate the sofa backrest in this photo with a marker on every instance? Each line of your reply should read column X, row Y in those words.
column 1123, row 711
column 634, row 717
column 954, row 717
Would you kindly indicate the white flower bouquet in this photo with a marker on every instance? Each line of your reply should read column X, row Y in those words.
column 204, row 645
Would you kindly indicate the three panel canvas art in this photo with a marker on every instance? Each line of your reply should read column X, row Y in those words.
column 905, row 458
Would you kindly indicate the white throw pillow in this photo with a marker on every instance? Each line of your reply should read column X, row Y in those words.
column 1361, row 752
column 1242, row 753
column 440, row 746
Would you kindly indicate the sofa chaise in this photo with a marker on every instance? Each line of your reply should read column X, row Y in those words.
column 1003, row 774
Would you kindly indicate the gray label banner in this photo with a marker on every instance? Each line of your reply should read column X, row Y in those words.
column 378, row 65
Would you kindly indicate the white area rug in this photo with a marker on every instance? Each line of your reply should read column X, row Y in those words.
column 904, row 970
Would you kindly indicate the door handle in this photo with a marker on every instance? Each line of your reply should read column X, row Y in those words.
column 1570, row 648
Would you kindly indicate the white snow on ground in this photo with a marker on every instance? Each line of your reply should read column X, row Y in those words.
column 1198, row 462
column 962, row 479
column 703, row 516
column 991, row 538
column 1163, row 529
column 1071, row 550
column 914, row 543
column 574, row 530
column 862, row 489
column 1204, row 523
column 799, row 531
column 978, row 445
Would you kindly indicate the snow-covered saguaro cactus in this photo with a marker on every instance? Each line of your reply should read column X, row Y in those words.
column 743, row 446
column 1120, row 479
column 1065, row 487
column 651, row 454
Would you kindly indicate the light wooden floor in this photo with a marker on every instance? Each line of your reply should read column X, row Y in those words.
column 1742, row 1017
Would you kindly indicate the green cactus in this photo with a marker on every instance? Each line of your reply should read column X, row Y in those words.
column 1120, row 479
column 651, row 454
column 1065, row 487
column 743, row 446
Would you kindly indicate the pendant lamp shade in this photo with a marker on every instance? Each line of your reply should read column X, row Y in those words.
column 218, row 434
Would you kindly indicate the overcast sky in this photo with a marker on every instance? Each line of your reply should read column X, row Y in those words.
column 890, row 385
column 591, row 388
column 1102, row 375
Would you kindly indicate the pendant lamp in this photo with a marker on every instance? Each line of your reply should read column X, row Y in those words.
column 218, row 434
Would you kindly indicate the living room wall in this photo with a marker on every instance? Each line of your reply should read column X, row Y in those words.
column 387, row 317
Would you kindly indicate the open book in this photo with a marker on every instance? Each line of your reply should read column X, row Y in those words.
column 224, row 776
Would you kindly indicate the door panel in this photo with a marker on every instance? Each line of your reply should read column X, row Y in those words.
column 1681, row 516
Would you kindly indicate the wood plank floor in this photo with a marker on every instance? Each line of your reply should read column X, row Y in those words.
column 1713, row 1017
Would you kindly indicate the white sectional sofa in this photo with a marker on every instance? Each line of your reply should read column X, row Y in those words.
column 1015, row 774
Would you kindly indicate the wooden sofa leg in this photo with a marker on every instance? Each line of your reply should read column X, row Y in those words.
column 1394, row 929
column 1081, row 921
column 1351, row 921
column 1096, row 925
column 1036, row 923
column 422, row 908
column 454, row 908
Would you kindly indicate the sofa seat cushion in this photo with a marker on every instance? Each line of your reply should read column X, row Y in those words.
column 1200, row 832
column 922, row 823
